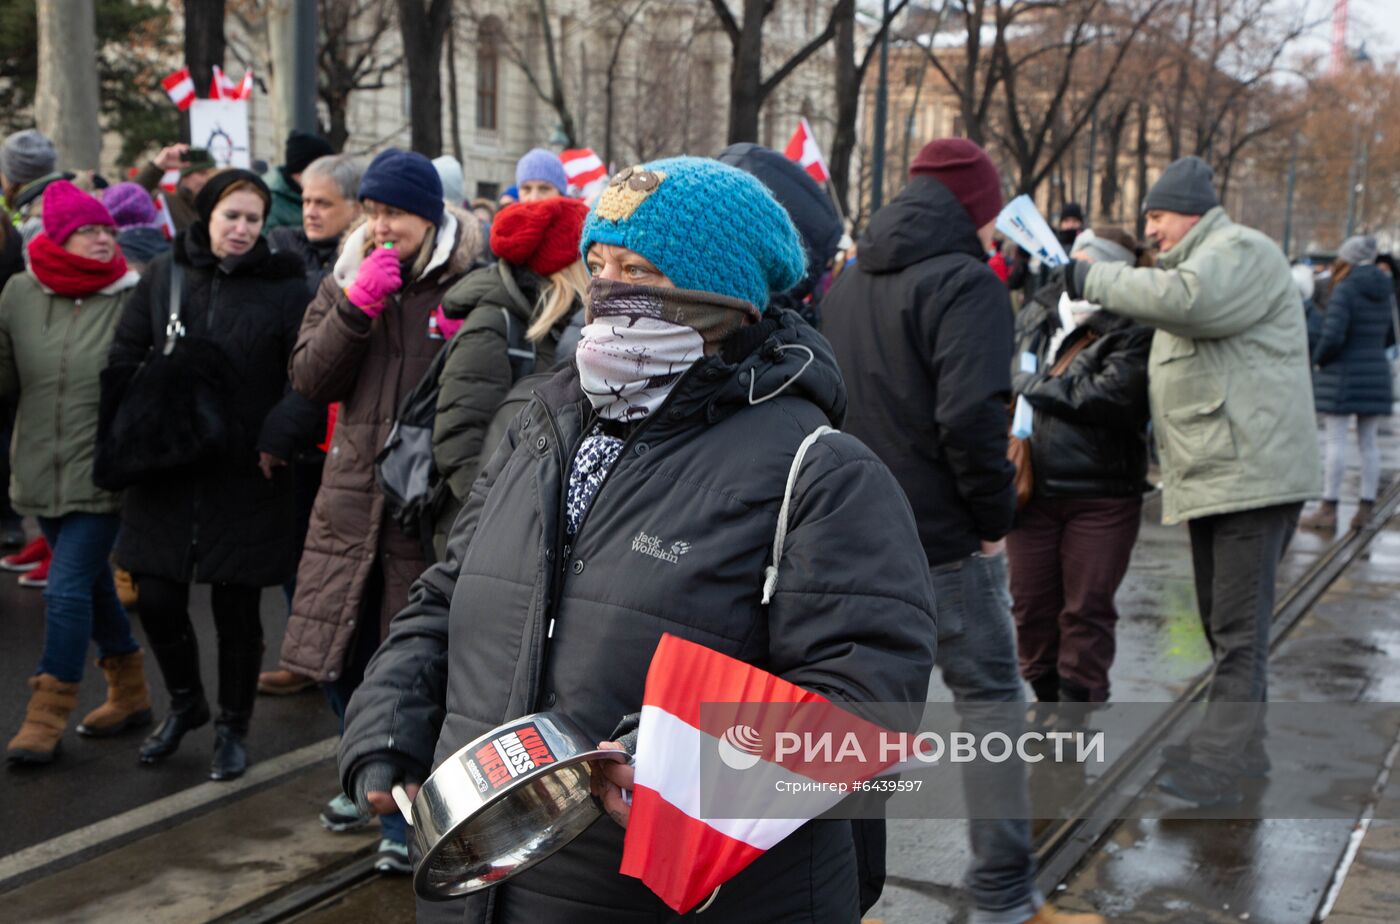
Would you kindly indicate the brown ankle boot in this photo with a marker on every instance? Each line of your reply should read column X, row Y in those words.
column 128, row 698
column 282, row 682
column 1323, row 519
column 1364, row 510
column 47, row 716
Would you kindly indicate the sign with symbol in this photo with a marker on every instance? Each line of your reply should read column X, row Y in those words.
column 221, row 126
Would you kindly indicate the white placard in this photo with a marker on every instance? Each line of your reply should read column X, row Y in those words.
column 1024, row 224
column 221, row 126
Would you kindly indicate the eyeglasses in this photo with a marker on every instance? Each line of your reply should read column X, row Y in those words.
column 95, row 230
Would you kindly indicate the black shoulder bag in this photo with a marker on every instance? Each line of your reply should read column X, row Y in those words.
column 173, row 413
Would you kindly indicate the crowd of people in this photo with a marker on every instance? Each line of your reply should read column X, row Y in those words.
column 217, row 408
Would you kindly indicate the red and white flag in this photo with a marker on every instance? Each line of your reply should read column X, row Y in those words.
column 180, row 88
column 802, row 147
column 586, row 171
column 167, row 222
column 678, row 852
column 245, row 86
column 221, row 87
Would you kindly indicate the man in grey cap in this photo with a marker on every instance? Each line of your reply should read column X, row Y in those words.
column 1232, row 410
column 27, row 166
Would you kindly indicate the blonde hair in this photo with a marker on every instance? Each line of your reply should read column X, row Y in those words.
column 566, row 287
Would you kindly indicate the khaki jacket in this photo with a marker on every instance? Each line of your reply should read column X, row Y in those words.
column 52, row 351
column 1228, row 375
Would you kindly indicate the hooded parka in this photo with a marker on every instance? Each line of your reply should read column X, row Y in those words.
column 1228, row 373
column 1353, row 375
column 923, row 330
column 52, row 352
column 367, row 365
column 515, row 620
column 224, row 522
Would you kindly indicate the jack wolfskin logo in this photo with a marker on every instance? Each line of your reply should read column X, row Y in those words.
column 652, row 545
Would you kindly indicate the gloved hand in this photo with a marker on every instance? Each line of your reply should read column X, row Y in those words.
column 626, row 732
column 448, row 326
column 1075, row 274
column 379, row 277
column 377, row 776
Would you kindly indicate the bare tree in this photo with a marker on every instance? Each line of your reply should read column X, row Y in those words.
column 970, row 72
column 423, row 25
column 352, row 57
column 516, row 45
column 65, row 101
column 748, row 88
column 621, row 16
column 204, row 40
column 850, row 75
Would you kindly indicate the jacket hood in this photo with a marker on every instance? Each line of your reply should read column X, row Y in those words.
column 143, row 243
column 923, row 221
column 499, row 284
column 1368, row 280
column 807, row 204
column 788, row 358
column 458, row 247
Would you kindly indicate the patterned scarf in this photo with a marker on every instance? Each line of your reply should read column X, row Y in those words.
column 640, row 340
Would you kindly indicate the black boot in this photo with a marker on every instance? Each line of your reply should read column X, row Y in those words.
column 188, row 711
column 239, row 664
column 179, row 665
column 230, row 753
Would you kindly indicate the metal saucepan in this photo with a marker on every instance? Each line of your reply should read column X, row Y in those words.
column 501, row 804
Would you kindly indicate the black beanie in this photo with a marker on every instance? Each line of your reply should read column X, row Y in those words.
column 1184, row 187
column 218, row 185
column 302, row 149
column 1071, row 210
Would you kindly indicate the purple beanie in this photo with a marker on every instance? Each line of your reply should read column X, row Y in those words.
column 131, row 205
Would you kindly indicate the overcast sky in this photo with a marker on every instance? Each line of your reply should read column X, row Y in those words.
column 1376, row 21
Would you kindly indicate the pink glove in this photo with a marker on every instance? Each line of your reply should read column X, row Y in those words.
column 379, row 276
column 448, row 326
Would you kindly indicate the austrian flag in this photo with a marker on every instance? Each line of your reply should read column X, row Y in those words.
column 802, row 148
column 673, row 845
column 180, row 88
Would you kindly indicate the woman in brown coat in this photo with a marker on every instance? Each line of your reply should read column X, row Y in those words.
column 368, row 337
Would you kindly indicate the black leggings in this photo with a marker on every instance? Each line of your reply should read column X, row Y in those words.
column 164, row 612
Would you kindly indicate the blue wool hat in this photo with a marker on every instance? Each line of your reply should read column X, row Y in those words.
column 539, row 164
column 706, row 225
column 406, row 180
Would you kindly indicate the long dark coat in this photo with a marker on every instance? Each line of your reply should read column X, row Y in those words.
column 225, row 523
column 1353, row 375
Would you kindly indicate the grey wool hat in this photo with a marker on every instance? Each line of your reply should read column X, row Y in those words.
column 26, row 156
column 1358, row 250
column 1185, row 187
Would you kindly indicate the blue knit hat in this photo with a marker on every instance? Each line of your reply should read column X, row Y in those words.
column 706, row 225
column 539, row 164
column 406, row 180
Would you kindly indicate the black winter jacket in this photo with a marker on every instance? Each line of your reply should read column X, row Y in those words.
column 1090, row 432
column 317, row 257
column 1353, row 375
column 226, row 523
column 922, row 329
column 514, row 620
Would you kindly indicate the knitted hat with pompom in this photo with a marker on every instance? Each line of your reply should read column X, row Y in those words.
column 542, row 235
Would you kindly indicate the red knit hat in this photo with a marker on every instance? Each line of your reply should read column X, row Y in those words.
column 67, row 208
column 967, row 171
column 541, row 235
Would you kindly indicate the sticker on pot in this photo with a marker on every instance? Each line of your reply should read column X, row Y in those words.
column 508, row 756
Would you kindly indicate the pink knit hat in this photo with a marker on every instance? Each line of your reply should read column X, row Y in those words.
column 67, row 208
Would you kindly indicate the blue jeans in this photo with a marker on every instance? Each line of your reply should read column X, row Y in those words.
column 81, row 600
column 977, row 657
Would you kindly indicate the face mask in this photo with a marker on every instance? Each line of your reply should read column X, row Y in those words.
column 640, row 340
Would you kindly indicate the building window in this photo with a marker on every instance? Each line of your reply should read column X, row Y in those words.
column 487, row 74
column 491, row 191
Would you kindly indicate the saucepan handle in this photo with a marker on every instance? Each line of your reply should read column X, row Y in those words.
column 405, row 804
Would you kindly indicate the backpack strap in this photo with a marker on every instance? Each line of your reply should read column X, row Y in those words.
column 519, row 349
column 770, row 574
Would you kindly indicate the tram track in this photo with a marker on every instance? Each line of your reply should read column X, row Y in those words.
column 1062, row 847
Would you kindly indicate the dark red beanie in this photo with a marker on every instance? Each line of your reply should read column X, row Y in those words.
column 542, row 235
column 967, row 171
column 67, row 208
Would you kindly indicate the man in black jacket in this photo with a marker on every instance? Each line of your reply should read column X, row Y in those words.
column 922, row 331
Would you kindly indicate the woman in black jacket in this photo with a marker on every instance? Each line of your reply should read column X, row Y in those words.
column 1071, row 544
column 229, row 523
column 638, row 494
column 1353, row 376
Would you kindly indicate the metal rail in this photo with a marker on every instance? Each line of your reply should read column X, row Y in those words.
column 1064, row 845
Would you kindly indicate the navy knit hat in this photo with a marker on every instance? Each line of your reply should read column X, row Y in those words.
column 706, row 225
column 406, row 180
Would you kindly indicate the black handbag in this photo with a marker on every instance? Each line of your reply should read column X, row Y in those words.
column 171, row 413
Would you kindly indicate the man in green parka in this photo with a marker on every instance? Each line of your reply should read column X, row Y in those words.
column 1232, row 413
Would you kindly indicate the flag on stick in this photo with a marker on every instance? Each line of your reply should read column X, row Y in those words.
column 802, row 148
column 179, row 86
